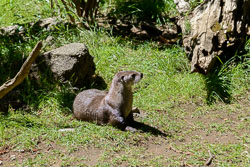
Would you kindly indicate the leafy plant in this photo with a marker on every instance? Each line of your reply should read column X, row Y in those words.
column 221, row 81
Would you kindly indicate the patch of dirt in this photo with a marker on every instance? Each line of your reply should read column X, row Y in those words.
column 92, row 155
column 17, row 157
column 13, row 156
column 160, row 150
column 211, row 138
column 228, row 116
column 89, row 156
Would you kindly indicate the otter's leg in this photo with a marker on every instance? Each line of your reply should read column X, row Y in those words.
column 131, row 123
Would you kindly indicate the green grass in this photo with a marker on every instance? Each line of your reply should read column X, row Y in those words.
column 13, row 12
column 188, row 108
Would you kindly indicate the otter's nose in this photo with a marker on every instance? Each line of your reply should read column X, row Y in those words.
column 141, row 75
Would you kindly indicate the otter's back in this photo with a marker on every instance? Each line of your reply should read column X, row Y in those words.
column 86, row 104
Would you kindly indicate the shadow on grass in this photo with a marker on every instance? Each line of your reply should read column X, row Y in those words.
column 149, row 129
column 218, row 85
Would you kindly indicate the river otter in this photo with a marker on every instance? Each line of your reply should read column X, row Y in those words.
column 113, row 107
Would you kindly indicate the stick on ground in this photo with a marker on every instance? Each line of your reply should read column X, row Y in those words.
column 209, row 161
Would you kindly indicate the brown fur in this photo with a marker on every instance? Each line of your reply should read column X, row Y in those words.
column 113, row 107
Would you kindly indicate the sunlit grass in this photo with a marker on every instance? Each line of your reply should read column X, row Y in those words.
column 13, row 12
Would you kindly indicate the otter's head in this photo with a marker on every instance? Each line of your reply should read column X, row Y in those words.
column 128, row 78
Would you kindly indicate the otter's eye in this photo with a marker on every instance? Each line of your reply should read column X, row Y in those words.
column 133, row 75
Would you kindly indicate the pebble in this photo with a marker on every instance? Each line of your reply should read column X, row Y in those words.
column 66, row 130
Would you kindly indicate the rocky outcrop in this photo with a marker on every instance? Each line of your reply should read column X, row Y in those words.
column 215, row 30
column 71, row 62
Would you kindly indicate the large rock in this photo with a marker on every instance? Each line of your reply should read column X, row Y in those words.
column 71, row 62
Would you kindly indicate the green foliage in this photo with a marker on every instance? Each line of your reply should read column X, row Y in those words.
column 224, row 79
column 219, row 86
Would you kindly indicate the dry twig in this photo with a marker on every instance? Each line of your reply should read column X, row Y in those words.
column 181, row 152
column 209, row 161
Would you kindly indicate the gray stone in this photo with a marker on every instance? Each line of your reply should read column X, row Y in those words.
column 13, row 157
column 49, row 40
column 66, row 130
column 71, row 62
column 10, row 30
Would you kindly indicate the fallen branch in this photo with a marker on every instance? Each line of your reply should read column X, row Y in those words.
column 23, row 72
